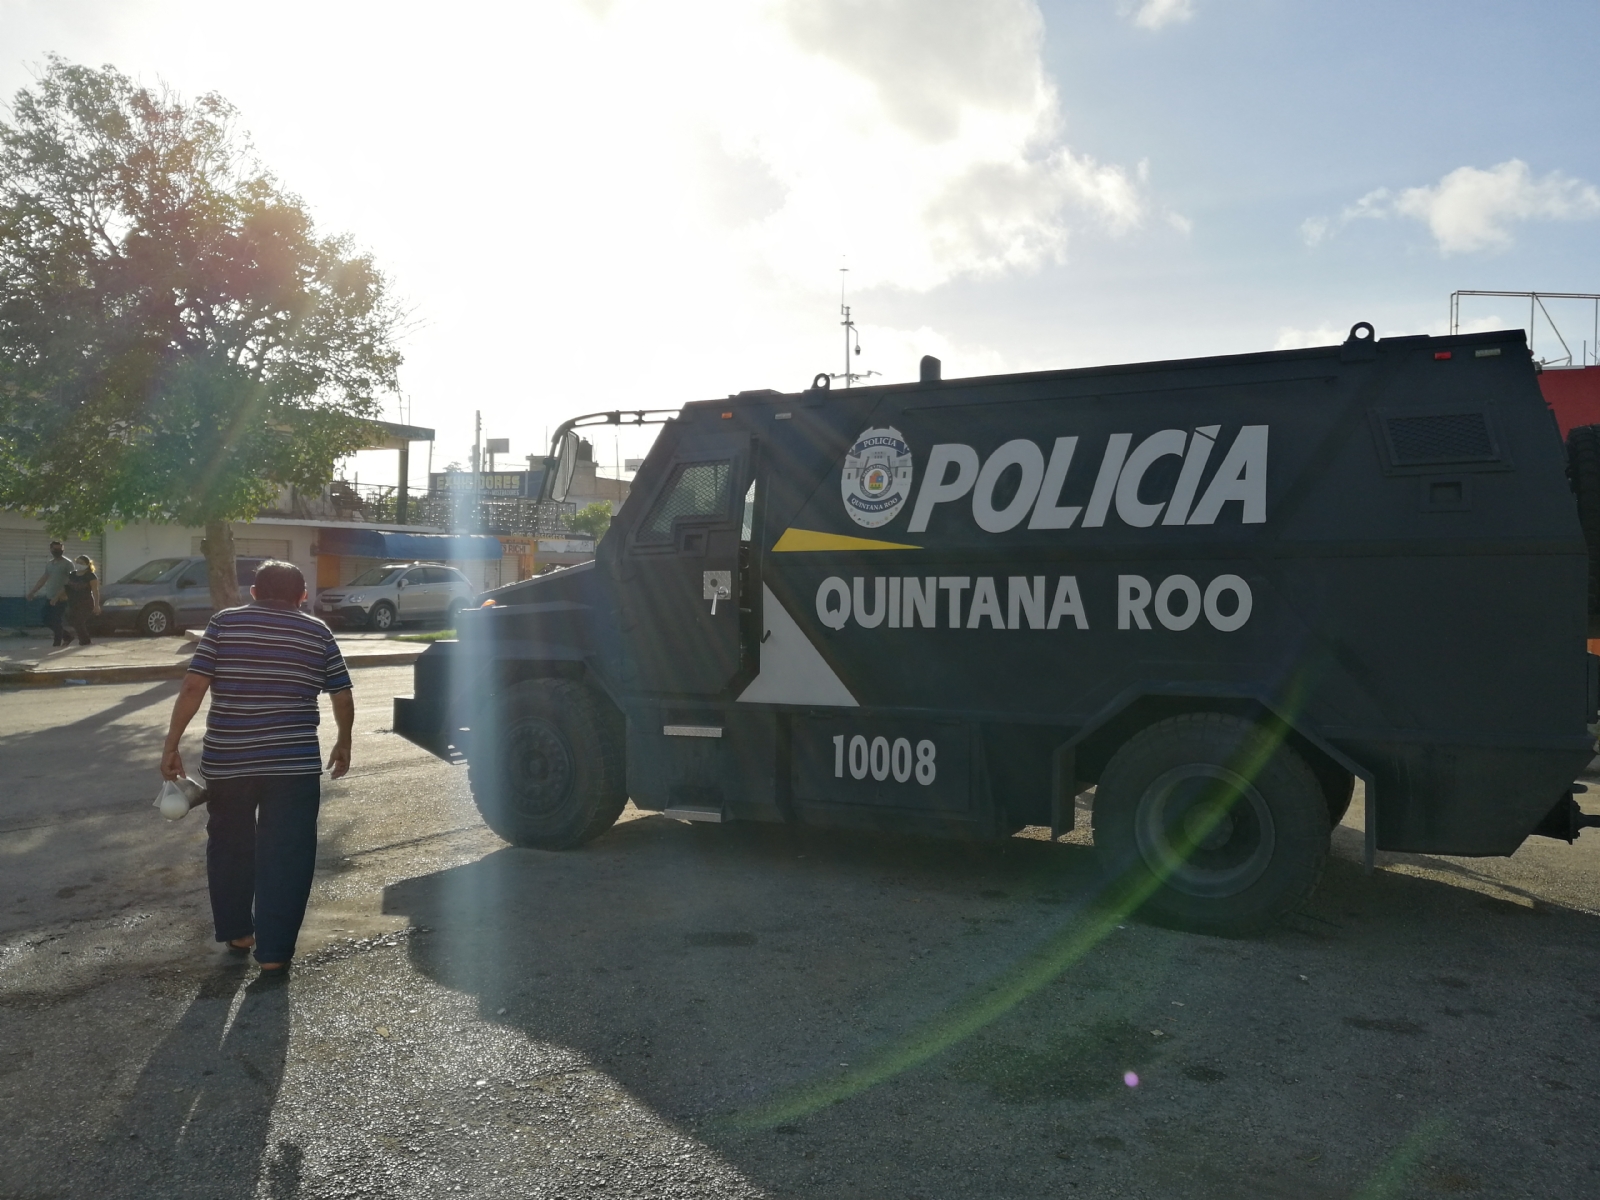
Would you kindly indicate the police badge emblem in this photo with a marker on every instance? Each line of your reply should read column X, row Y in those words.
column 877, row 477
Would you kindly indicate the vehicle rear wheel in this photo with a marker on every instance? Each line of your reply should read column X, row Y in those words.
column 1210, row 822
column 156, row 621
column 453, row 613
column 382, row 617
column 546, row 764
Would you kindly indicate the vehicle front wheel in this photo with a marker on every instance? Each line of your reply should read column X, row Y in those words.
column 156, row 621
column 1211, row 823
column 546, row 762
column 382, row 617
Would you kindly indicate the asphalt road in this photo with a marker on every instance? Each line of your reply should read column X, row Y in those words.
column 740, row 1011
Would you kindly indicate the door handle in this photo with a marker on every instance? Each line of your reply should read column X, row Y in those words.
column 715, row 586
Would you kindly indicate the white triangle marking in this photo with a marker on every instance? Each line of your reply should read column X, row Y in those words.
column 792, row 670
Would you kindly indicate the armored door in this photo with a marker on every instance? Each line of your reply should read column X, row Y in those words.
column 681, row 590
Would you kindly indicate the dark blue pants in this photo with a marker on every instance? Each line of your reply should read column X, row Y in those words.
column 261, row 849
column 55, row 617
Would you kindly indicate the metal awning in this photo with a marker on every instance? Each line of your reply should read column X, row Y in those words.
column 386, row 435
column 403, row 547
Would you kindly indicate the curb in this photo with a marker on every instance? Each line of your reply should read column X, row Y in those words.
column 166, row 671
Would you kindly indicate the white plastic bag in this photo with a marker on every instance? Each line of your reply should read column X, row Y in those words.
column 178, row 796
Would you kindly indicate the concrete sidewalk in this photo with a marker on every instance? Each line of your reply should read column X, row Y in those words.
column 25, row 661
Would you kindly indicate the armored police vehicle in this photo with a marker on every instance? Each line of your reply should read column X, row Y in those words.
column 1216, row 590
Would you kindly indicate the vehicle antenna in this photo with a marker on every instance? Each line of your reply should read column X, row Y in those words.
column 851, row 339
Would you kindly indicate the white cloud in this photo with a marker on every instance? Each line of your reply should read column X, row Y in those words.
column 921, row 137
column 1290, row 338
column 657, row 208
column 1000, row 215
column 1470, row 209
column 930, row 60
column 1314, row 230
column 1156, row 14
column 1374, row 205
column 903, row 349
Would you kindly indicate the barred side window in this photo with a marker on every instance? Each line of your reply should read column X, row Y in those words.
column 697, row 490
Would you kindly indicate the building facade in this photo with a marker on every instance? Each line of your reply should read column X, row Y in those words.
column 501, row 531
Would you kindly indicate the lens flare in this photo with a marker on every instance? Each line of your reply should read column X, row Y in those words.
column 1129, row 1078
column 1116, row 900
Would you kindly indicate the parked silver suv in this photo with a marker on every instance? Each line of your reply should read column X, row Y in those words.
column 383, row 597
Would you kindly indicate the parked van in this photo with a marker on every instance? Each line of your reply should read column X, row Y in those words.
column 165, row 595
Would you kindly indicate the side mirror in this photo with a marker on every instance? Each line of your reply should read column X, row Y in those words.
column 558, row 470
column 399, row 583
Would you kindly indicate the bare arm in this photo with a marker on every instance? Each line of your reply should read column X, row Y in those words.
column 344, row 715
column 34, row 588
column 183, row 709
column 94, row 590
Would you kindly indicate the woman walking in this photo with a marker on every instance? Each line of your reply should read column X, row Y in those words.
column 83, row 597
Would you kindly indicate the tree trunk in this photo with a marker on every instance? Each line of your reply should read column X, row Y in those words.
column 221, row 569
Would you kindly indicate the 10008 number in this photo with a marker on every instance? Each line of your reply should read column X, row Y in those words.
column 881, row 759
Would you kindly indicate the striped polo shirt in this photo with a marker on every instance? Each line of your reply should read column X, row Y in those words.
column 267, row 663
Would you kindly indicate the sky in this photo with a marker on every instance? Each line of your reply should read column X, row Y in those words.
column 594, row 204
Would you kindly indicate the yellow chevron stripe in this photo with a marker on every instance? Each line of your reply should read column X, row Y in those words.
column 794, row 540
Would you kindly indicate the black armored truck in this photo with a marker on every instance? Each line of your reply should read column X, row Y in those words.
column 1217, row 591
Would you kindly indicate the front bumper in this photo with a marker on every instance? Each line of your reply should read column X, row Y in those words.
column 113, row 619
column 343, row 614
column 422, row 724
column 432, row 717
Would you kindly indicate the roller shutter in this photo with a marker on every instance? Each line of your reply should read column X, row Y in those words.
column 23, row 553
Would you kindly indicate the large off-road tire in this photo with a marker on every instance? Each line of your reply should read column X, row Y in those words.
column 1338, row 788
column 546, row 763
column 1338, row 785
column 1583, row 470
column 1209, row 822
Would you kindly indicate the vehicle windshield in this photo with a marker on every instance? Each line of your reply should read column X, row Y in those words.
column 151, row 571
column 373, row 576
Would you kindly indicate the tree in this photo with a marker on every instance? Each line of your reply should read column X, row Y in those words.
column 593, row 519
column 176, row 340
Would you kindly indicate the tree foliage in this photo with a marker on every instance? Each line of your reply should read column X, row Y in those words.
column 593, row 519
column 176, row 339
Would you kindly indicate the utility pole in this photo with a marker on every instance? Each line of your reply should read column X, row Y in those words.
column 477, row 468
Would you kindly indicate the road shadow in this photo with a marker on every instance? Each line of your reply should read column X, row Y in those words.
column 115, row 757
column 196, row 1124
column 72, row 733
column 848, row 1014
